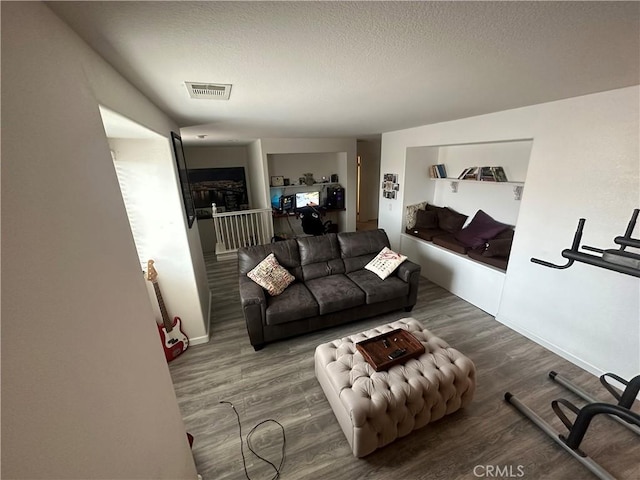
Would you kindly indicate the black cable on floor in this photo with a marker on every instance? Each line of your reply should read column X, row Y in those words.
column 277, row 469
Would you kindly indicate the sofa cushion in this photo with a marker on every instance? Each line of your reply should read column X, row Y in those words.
column 385, row 262
column 355, row 244
column 358, row 248
column 426, row 219
column 377, row 290
column 335, row 292
column 320, row 256
column 450, row 220
column 295, row 303
column 271, row 276
column 450, row 243
column 318, row 249
column 411, row 213
column 481, row 228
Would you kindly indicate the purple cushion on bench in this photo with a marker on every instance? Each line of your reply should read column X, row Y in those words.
column 482, row 228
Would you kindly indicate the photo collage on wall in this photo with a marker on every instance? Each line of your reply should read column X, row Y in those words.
column 390, row 186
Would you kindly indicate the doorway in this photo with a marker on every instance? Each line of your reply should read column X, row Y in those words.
column 367, row 184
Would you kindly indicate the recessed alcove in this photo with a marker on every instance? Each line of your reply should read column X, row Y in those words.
column 477, row 283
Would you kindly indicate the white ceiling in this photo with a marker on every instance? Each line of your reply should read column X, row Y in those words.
column 357, row 69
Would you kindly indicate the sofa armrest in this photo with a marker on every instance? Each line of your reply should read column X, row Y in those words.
column 254, row 306
column 250, row 292
column 410, row 273
column 406, row 269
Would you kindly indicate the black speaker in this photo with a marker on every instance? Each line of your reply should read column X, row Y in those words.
column 335, row 198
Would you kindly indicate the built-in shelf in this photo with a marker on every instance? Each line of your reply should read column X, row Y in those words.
column 315, row 185
column 453, row 183
column 451, row 179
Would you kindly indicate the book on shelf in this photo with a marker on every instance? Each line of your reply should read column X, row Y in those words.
column 464, row 173
column 498, row 174
column 470, row 173
column 438, row 171
column 486, row 174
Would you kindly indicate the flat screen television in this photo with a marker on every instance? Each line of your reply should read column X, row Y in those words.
column 307, row 198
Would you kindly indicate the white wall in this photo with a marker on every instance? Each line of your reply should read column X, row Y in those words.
column 417, row 187
column 258, row 176
column 155, row 211
column 215, row 157
column 86, row 392
column 584, row 164
column 295, row 165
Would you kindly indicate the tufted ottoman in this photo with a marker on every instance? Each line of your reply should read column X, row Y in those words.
column 374, row 408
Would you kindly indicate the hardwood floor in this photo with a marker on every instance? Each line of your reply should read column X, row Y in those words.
column 278, row 383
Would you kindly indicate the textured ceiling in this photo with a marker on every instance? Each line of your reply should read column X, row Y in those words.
column 357, row 69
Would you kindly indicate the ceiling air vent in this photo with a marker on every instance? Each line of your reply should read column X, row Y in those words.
column 209, row 91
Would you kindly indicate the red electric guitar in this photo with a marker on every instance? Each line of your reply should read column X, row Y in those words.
column 174, row 341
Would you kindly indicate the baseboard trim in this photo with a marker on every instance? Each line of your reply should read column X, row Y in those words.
column 553, row 347
column 563, row 353
column 205, row 338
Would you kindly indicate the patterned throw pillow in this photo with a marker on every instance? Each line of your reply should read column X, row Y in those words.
column 385, row 263
column 411, row 212
column 271, row 276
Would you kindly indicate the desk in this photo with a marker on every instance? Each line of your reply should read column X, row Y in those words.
column 284, row 227
column 323, row 212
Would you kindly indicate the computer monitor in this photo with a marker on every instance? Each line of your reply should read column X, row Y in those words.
column 307, row 198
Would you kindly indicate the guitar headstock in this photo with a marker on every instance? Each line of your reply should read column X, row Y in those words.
column 152, row 274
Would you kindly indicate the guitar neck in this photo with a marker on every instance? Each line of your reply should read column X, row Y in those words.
column 168, row 325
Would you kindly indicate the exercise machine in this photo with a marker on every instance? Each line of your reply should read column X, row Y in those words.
column 578, row 429
column 618, row 260
column 632, row 387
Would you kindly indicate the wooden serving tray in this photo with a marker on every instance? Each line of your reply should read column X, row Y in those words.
column 376, row 350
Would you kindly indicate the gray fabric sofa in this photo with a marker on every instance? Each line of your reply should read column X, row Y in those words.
column 331, row 287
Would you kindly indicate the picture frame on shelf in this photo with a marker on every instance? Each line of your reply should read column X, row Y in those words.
column 277, row 181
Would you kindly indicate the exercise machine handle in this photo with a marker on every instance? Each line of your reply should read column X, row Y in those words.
column 626, row 240
column 589, row 411
column 574, row 248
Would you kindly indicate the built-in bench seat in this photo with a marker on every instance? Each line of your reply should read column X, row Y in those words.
column 482, row 240
column 474, row 274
